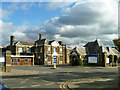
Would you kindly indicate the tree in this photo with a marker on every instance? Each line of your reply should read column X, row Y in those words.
column 117, row 43
column 78, row 61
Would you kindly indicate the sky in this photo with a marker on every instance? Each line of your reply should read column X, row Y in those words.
column 74, row 23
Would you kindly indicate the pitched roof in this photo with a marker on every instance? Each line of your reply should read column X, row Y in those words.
column 4, row 46
column 79, row 50
column 95, row 47
column 26, row 43
column 112, row 51
column 40, row 41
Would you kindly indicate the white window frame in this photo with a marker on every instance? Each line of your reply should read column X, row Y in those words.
column 48, row 48
column 60, row 49
column 20, row 49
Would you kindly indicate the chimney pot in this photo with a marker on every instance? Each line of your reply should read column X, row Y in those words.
column 12, row 40
column 40, row 36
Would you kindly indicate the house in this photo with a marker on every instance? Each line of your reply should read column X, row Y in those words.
column 96, row 53
column 21, row 53
column 47, row 51
column 41, row 52
column 80, row 52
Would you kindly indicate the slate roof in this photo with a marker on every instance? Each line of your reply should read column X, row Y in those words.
column 112, row 51
column 26, row 43
column 79, row 50
column 95, row 47
column 40, row 41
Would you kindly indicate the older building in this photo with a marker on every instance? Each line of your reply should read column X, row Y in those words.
column 41, row 52
column 96, row 53
column 48, row 51
column 21, row 53
column 80, row 52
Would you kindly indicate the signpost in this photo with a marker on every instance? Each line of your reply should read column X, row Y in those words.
column 54, row 62
column 92, row 58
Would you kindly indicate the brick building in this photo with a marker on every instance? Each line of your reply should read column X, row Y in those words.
column 96, row 53
column 46, row 51
column 21, row 52
column 40, row 52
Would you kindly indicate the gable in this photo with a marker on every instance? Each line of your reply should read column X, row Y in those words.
column 55, row 43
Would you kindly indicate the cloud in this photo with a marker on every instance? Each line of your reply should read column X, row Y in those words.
column 84, row 21
column 89, row 20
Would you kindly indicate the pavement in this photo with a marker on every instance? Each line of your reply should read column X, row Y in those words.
column 63, row 77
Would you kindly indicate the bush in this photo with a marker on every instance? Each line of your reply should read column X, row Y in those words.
column 78, row 61
column 113, row 64
column 115, row 58
column 110, row 58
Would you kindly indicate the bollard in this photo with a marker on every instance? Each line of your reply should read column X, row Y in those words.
column 54, row 66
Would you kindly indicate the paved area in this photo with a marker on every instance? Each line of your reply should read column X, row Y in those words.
column 62, row 77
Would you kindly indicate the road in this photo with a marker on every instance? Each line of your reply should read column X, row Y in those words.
column 63, row 77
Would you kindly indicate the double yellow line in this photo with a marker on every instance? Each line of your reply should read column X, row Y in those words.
column 25, row 80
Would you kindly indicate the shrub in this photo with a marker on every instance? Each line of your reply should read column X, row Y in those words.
column 113, row 64
column 110, row 58
column 78, row 61
column 115, row 58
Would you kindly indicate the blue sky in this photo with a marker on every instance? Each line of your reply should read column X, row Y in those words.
column 74, row 23
column 35, row 14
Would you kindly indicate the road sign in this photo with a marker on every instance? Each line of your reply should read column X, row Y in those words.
column 54, row 62
column 47, row 55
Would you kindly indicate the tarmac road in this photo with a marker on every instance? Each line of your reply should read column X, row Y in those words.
column 62, row 77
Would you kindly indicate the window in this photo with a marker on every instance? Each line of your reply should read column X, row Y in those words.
column 60, row 58
column 20, row 49
column 13, row 60
column 39, row 57
column 28, row 50
column 26, row 60
column 18, row 60
column 55, row 49
column 48, row 48
column 49, row 59
column 41, row 49
column 60, row 49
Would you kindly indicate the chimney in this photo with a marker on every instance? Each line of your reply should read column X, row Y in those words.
column 40, row 36
column 60, row 42
column 11, row 40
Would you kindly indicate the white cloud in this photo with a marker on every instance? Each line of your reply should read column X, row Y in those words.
column 89, row 20
column 85, row 21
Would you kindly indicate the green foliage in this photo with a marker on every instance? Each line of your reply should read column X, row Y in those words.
column 113, row 64
column 115, row 58
column 117, row 43
column 78, row 61
column 110, row 58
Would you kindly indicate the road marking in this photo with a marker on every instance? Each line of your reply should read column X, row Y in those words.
column 24, row 80
column 35, row 85
column 62, row 85
column 14, row 87
column 45, row 81
column 34, row 82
